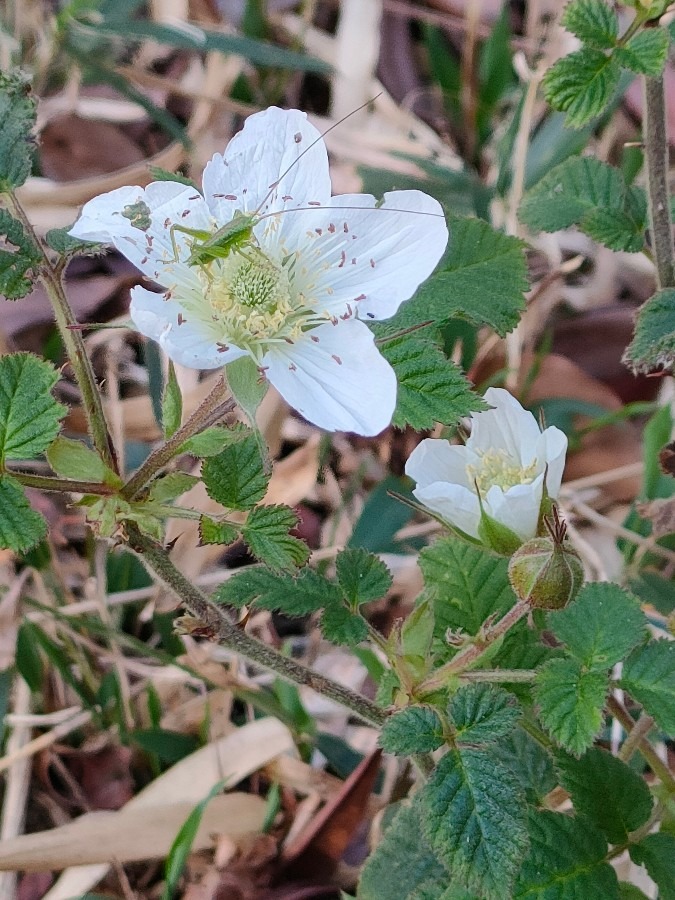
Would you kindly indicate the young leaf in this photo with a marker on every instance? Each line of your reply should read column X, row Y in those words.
column 566, row 860
column 15, row 265
column 172, row 404
column 17, row 120
column 603, row 788
column 21, row 527
column 361, row 575
column 431, row 388
column 570, row 703
column 341, row 626
column 168, row 487
column 653, row 345
column 593, row 22
column 236, row 477
column 295, row 596
column 582, row 85
column 602, row 625
column 465, row 585
column 473, row 815
column 416, row 729
column 65, row 245
column 657, row 853
column 646, row 52
column 483, row 713
column 211, row 532
column 403, row 862
column 266, row 534
column 649, row 677
column 482, row 278
column 73, row 459
column 29, row 416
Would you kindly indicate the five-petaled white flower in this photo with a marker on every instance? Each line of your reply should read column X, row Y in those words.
column 502, row 466
column 293, row 292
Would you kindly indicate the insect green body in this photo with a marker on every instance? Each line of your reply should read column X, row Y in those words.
column 209, row 246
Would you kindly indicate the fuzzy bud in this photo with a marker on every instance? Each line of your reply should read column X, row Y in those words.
column 547, row 572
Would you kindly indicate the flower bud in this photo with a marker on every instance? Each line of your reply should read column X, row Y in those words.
column 547, row 572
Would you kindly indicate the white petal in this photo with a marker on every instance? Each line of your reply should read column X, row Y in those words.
column 369, row 257
column 517, row 508
column 336, row 378
column 454, row 503
column 151, row 249
column 436, row 460
column 192, row 344
column 551, row 450
column 508, row 426
column 272, row 146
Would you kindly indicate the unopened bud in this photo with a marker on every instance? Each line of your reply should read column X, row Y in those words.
column 547, row 572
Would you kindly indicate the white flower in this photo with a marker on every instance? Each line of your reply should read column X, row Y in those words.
column 505, row 460
column 294, row 290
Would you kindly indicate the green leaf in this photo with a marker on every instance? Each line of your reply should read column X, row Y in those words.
column 17, row 121
column 295, row 596
column 402, row 862
column 531, row 763
column 169, row 746
column 482, row 278
column 603, row 788
column 474, row 818
column 236, row 477
column 211, row 532
column 602, row 625
column 28, row 658
column 646, row 52
column 168, row 487
column 483, row 713
column 657, row 853
column 566, row 861
column 266, row 534
column 653, row 346
column 615, row 229
column 361, row 575
column 431, row 388
column 416, row 729
column 571, row 191
column 211, row 441
column 465, row 585
column 341, row 626
column 582, row 85
column 21, row 527
column 570, row 702
column 15, row 265
column 182, row 844
column 172, row 404
column 649, row 677
column 29, row 416
column 593, row 22
column 65, row 245
column 630, row 892
column 73, row 459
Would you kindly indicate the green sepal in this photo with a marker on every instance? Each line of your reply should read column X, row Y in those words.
column 496, row 536
column 172, row 404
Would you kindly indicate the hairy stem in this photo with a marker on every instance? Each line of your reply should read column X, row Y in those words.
column 73, row 343
column 210, row 410
column 471, row 654
column 644, row 747
column 215, row 622
column 63, row 485
column 656, row 157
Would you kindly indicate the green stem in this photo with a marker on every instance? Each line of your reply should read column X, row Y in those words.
column 644, row 747
column 497, row 676
column 656, row 158
column 210, row 410
column 217, row 624
column 64, row 485
column 73, row 343
column 471, row 654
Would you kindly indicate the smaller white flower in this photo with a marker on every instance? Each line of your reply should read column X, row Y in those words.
column 502, row 466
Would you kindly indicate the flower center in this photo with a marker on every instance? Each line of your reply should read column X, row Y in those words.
column 497, row 468
column 255, row 301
